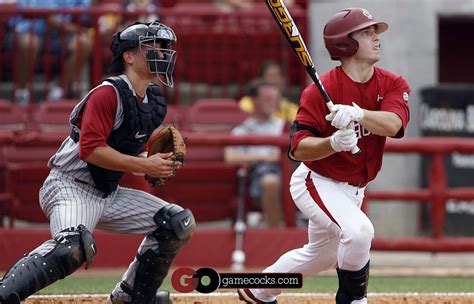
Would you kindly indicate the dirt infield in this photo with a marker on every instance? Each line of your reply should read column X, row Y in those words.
column 230, row 298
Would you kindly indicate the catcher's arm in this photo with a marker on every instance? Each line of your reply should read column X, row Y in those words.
column 109, row 158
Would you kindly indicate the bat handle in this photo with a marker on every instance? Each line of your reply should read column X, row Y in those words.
column 356, row 150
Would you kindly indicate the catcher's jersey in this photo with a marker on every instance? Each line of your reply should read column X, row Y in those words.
column 68, row 157
column 385, row 91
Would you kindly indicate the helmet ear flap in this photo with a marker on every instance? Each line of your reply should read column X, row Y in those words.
column 343, row 47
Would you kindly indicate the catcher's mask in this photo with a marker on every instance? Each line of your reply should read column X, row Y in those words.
column 155, row 41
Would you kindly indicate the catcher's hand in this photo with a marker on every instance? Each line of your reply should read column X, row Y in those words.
column 167, row 140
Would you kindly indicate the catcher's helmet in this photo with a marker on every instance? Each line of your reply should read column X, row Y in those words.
column 145, row 36
column 336, row 31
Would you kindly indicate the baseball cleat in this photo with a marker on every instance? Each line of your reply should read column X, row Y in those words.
column 161, row 297
column 246, row 296
column 11, row 299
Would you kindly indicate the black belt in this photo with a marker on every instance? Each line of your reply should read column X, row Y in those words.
column 83, row 182
column 359, row 185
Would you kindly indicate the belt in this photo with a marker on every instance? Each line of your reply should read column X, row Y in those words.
column 359, row 185
column 83, row 182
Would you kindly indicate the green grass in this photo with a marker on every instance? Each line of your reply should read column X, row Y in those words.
column 103, row 285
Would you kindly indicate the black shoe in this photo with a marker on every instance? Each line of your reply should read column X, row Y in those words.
column 11, row 299
column 246, row 296
column 161, row 297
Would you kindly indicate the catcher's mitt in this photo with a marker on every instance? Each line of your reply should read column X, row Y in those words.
column 167, row 140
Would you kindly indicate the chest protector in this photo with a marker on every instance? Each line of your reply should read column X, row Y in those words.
column 139, row 121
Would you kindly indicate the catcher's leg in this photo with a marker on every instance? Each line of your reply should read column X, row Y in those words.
column 51, row 261
column 352, row 285
column 175, row 228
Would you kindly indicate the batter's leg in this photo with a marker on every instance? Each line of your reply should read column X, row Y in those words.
column 342, row 203
column 319, row 254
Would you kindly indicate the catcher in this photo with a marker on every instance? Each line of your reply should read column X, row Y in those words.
column 110, row 129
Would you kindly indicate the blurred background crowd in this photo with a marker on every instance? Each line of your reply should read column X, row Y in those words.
column 234, row 65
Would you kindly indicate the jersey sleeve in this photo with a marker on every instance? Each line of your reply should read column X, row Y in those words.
column 311, row 113
column 396, row 101
column 97, row 120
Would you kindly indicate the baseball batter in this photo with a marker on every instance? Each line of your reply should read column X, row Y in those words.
column 111, row 126
column 328, row 187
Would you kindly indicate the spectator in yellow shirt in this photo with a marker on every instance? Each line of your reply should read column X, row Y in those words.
column 271, row 71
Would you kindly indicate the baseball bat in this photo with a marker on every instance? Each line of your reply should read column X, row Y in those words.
column 290, row 31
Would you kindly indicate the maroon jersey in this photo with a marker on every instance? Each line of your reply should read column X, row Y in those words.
column 385, row 91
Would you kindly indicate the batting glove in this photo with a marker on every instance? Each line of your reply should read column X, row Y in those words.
column 342, row 115
column 343, row 140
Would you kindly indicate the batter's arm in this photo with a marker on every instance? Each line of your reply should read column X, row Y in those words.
column 381, row 123
column 313, row 148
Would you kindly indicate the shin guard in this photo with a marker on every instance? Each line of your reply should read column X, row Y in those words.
column 35, row 271
column 352, row 285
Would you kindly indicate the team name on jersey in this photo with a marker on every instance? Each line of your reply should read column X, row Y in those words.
column 360, row 130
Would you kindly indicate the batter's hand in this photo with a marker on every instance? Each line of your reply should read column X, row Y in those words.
column 161, row 166
column 342, row 115
column 343, row 140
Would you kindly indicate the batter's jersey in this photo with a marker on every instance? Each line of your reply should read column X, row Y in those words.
column 385, row 91
column 67, row 158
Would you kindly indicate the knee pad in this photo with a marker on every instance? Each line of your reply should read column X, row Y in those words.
column 175, row 226
column 352, row 284
column 75, row 246
column 52, row 261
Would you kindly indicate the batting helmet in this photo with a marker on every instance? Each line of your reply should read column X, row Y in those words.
column 341, row 25
column 145, row 36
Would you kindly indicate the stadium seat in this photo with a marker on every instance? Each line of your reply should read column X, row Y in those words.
column 6, row 200
column 35, row 150
column 54, row 116
column 214, row 115
column 12, row 116
column 27, row 147
column 24, row 181
column 176, row 115
column 6, row 139
column 23, row 163
column 208, row 189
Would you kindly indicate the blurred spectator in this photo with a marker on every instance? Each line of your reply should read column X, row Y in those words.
column 271, row 71
column 112, row 22
column 263, row 161
column 229, row 5
column 53, row 34
column 150, row 6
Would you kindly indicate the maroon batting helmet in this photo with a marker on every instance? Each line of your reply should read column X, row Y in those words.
column 336, row 31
